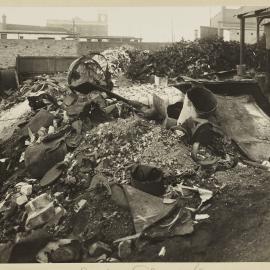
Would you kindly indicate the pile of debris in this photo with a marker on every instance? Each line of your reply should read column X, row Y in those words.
column 118, row 59
column 96, row 175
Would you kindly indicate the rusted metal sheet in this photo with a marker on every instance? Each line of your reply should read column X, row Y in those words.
column 33, row 65
column 8, row 80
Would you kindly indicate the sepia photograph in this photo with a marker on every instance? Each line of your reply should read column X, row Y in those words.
column 134, row 133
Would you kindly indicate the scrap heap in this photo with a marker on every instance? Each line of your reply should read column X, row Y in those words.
column 94, row 174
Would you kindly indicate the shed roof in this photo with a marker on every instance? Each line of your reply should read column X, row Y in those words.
column 260, row 13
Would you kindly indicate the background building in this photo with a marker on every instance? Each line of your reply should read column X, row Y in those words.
column 228, row 25
column 75, row 29
column 83, row 28
column 21, row 31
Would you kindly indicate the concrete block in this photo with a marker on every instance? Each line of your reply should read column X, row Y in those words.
column 124, row 249
column 22, row 199
column 26, row 190
column 39, row 202
column 40, row 217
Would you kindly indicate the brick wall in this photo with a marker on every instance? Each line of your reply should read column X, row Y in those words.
column 10, row 48
column 85, row 47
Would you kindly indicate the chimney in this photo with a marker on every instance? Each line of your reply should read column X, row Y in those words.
column 4, row 22
column 102, row 17
column 4, row 19
column 196, row 33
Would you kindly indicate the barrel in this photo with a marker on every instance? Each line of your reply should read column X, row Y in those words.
column 241, row 70
column 203, row 100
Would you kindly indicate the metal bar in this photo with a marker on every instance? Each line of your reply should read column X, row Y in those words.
column 136, row 104
column 18, row 66
column 242, row 40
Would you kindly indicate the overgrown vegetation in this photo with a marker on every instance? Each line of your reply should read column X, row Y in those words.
column 194, row 58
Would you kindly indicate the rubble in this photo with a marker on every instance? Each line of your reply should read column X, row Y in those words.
column 27, row 246
column 80, row 205
column 42, row 210
column 118, row 60
column 21, row 199
column 124, row 249
column 70, row 252
column 26, row 189
column 39, row 158
column 102, row 258
column 201, row 216
column 108, row 168
column 63, row 250
column 162, row 252
column 41, row 119
column 147, row 179
column 53, row 174
column 98, row 249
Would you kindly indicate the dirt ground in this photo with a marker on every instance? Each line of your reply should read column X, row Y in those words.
column 238, row 227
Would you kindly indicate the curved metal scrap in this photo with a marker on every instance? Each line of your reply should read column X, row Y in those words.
column 86, row 70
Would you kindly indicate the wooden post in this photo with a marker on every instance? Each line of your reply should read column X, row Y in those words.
column 268, row 70
column 268, row 61
column 242, row 40
column 258, row 30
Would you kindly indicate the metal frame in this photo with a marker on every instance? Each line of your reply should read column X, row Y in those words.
column 260, row 15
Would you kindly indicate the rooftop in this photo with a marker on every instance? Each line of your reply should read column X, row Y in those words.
column 110, row 37
column 24, row 29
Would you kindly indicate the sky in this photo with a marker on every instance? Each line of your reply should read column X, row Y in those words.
column 161, row 24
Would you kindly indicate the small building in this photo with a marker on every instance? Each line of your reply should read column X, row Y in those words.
column 207, row 32
column 20, row 31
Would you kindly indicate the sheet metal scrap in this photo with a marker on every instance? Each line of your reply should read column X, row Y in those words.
column 85, row 72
